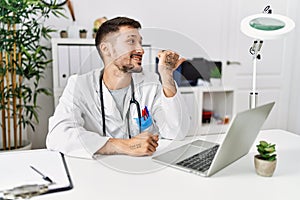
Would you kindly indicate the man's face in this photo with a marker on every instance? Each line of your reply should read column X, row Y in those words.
column 127, row 51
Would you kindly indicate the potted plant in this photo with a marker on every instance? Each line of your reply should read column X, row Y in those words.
column 63, row 34
column 82, row 33
column 265, row 161
column 22, row 63
column 95, row 32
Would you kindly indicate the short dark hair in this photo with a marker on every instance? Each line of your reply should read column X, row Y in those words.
column 113, row 25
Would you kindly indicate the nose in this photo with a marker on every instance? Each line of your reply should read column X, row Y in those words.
column 139, row 49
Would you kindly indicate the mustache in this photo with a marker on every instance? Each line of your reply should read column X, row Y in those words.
column 139, row 55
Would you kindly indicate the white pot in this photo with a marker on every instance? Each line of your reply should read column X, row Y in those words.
column 264, row 167
column 26, row 145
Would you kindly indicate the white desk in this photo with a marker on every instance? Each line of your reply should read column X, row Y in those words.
column 93, row 180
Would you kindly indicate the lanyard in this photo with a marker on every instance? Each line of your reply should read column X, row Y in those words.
column 132, row 100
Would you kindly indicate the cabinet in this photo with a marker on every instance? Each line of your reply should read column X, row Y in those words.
column 217, row 101
column 72, row 56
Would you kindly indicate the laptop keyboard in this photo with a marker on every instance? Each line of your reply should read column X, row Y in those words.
column 200, row 161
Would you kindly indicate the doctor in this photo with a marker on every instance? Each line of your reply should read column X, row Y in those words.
column 119, row 109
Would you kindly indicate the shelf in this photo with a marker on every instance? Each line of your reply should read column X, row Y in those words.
column 218, row 100
column 206, row 89
column 209, row 129
column 213, row 128
column 73, row 41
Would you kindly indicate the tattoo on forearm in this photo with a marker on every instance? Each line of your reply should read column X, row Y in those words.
column 171, row 82
column 135, row 146
column 109, row 152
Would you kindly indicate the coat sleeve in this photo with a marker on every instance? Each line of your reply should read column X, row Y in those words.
column 171, row 115
column 66, row 132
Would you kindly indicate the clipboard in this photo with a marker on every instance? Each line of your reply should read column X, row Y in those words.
column 15, row 170
column 63, row 188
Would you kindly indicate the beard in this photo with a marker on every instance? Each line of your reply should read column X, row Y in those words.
column 129, row 63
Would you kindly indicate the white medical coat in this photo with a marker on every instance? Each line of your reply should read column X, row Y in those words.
column 75, row 128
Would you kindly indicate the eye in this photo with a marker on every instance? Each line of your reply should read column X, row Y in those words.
column 131, row 41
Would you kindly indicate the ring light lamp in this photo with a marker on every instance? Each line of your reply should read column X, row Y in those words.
column 264, row 26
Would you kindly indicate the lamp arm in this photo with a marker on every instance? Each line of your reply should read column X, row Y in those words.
column 255, row 48
column 254, row 51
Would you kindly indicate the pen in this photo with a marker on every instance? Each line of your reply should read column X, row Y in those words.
column 144, row 114
column 46, row 178
column 147, row 111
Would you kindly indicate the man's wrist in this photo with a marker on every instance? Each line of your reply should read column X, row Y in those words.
column 168, row 83
column 114, row 146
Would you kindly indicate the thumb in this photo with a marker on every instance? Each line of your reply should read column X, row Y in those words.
column 155, row 137
column 179, row 62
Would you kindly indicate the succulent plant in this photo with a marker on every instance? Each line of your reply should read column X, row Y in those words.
column 82, row 31
column 266, row 151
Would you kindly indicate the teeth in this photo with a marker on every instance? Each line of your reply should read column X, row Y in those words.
column 136, row 57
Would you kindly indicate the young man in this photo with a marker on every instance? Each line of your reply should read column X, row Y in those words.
column 119, row 109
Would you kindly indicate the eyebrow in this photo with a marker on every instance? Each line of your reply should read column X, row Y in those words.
column 135, row 36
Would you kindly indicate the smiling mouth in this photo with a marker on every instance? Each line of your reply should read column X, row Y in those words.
column 138, row 58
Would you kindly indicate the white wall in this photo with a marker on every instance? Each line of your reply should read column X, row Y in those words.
column 293, row 99
column 189, row 18
column 195, row 20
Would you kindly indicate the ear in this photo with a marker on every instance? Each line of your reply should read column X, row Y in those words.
column 105, row 49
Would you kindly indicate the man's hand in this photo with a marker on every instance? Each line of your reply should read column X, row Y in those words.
column 144, row 144
column 168, row 62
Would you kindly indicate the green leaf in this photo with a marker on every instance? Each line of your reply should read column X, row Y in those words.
column 263, row 143
column 270, row 149
column 273, row 157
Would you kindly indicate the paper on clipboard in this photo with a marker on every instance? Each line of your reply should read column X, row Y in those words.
column 15, row 169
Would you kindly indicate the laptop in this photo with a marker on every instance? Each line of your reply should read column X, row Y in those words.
column 206, row 158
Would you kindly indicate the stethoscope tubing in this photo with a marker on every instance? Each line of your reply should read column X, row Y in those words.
column 132, row 100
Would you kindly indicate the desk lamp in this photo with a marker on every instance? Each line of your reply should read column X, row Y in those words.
column 264, row 26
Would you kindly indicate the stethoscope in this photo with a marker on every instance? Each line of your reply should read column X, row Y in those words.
column 132, row 100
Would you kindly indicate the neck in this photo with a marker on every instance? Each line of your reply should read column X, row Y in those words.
column 115, row 79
